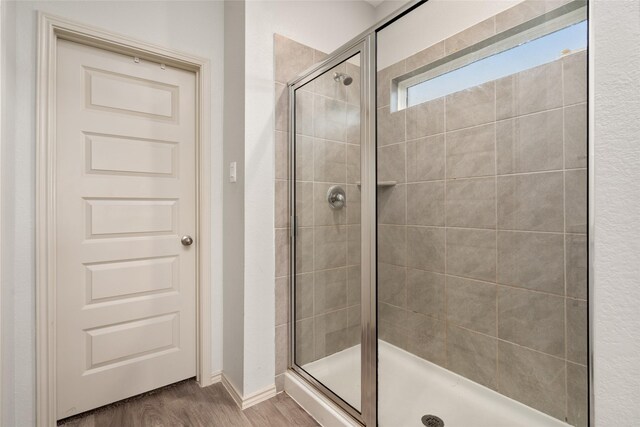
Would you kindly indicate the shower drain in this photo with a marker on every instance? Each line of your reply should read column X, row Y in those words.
column 432, row 421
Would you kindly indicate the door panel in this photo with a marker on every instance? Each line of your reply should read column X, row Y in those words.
column 125, row 194
column 327, row 239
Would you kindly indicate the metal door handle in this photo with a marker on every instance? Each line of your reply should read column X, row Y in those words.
column 186, row 240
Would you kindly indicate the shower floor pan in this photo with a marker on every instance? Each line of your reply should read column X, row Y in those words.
column 410, row 387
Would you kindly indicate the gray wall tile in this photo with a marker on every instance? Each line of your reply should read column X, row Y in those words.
column 282, row 107
column 354, row 285
column 426, row 293
column 577, row 331
column 533, row 378
column 392, row 284
column 471, row 253
column 329, row 290
column 577, row 262
column 282, row 346
column 330, row 249
column 425, row 248
column 330, row 160
column 392, row 205
column 577, row 395
column 472, row 152
column 353, row 204
column 291, row 58
column 393, row 324
column 305, row 351
column 282, row 300
column 353, row 90
column 330, row 333
column 304, row 296
column 531, row 143
column 304, row 204
column 530, row 91
column 325, row 85
column 353, row 245
column 531, row 319
column 322, row 212
column 472, row 304
column 426, row 338
column 384, row 82
column 304, row 158
column 353, row 124
column 575, row 78
column 282, row 252
column 329, row 118
column 471, row 107
column 392, row 244
column 425, row 119
column 282, row 155
column 531, row 202
column 304, row 112
column 304, row 249
column 281, row 192
column 426, row 159
column 391, row 163
column 531, row 260
column 575, row 136
column 391, row 127
column 353, row 163
column 471, row 203
column 425, row 203
column 576, row 201
column 473, row 356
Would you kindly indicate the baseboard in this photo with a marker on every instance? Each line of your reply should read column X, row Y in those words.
column 250, row 400
column 325, row 412
column 216, row 377
column 259, row 396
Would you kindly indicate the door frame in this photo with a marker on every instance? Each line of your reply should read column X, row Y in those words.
column 50, row 30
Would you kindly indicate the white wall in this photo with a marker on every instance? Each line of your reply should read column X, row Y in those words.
column 616, row 52
column 233, row 258
column 195, row 27
column 7, row 72
column 324, row 25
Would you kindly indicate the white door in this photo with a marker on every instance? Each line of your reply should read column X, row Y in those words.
column 125, row 195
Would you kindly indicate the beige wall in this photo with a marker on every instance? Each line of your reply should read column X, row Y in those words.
column 482, row 241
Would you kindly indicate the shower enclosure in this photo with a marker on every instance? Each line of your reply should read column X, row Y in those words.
column 438, row 192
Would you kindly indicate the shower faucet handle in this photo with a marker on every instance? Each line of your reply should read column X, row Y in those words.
column 336, row 197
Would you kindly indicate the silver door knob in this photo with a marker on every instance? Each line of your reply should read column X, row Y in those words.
column 186, row 240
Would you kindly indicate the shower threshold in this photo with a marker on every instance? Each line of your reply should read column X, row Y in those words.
column 410, row 387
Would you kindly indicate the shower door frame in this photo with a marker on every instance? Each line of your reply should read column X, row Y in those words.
column 365, row 47
column 366, row 44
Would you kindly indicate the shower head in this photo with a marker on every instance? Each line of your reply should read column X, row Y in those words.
column 343, row 78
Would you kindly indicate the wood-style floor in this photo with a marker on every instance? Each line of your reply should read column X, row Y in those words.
column 187, row 405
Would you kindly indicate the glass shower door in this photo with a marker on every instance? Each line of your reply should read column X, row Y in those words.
column 482, row 215
column 326, row 256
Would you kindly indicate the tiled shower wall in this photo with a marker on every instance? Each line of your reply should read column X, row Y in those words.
column 328, row 242
column 482, row 241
